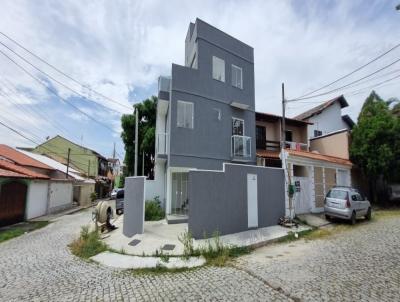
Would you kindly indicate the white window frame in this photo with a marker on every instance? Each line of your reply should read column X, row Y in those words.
column 184, row 103
column 216, row 60
column 234, row 84
column 240, row 119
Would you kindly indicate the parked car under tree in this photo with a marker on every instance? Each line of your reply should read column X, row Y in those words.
column 346, row 203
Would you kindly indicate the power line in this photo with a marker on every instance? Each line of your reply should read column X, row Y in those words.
column 344, row 86
column 57, row 81
column 30, row 110
column 63, row 73
column 350, row 73
column 56, row 94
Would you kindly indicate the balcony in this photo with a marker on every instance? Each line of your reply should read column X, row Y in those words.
column 241, row 148
column 276, row 145
column 164, row 88
column 162, row 146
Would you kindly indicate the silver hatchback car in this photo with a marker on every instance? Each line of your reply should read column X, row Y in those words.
column 346, row 203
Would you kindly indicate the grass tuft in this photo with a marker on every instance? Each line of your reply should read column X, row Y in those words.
column 19, row 229
column 88, row 244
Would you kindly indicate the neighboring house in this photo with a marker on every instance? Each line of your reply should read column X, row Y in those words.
column 46, row 190
column 314, row 165
column 327, row 117
column 82, row 187
column 20, row 193
column 87, row 161
column 205, row 156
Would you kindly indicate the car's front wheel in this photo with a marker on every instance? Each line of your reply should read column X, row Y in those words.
column 353, row 218
column 369, row 214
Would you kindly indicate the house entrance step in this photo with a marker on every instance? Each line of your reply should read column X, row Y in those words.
column 174, row 219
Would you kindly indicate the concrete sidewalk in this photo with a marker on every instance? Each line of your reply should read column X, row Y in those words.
column 160, row 235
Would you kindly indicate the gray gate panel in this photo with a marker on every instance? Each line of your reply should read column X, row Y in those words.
column 218, row 200
column 134, row 205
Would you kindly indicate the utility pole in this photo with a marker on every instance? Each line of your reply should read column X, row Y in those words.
column 136, row 139
column 143, row 164
column 288, row 182
column 69, row 153
column 114, row 151
column 283, row 134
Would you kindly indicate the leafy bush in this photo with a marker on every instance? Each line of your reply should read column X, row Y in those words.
column 93, row 196
column 88, row 244
column 153, row 210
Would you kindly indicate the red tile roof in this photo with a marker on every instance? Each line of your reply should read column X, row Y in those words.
column 11, row 174
column 317, row 156
column 20, row 158
column 268, row 154
column 14, row 171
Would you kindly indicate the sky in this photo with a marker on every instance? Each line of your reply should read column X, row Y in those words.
column 119, row 48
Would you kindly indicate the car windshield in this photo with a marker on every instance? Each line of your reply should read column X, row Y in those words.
column 338, row 194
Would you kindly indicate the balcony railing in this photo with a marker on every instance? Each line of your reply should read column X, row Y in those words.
column 276, row 145
column 296, row 146
column 241, row 147
column 162, row 144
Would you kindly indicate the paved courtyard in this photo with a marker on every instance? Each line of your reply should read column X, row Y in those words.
column 362, row 264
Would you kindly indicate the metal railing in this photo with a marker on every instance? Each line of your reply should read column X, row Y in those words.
column 276, row 145
column 162, row 143
column 296, row 146
column 241, row 146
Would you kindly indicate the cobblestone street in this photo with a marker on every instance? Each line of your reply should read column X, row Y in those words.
column 361, row 264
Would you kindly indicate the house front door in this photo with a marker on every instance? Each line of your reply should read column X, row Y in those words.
column 179, row 200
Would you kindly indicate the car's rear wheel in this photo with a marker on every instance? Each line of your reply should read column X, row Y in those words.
column 353, row 218
column 369, row 214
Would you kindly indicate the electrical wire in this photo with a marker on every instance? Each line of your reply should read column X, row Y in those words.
column 350, row 73
column 347, row 85
column 57, row 95
column 63, row 73
column 59, row 82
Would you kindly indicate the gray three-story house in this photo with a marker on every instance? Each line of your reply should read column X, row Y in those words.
column 205, row 113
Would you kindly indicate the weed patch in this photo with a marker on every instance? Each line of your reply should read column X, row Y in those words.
column 88, row 244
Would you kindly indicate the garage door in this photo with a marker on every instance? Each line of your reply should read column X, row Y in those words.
column 12, row 202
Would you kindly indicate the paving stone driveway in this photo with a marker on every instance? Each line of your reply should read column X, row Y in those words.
column 361, row 265
column 39, row 267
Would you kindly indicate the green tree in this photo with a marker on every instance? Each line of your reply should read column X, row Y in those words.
column 147, row 125
column 373, row 141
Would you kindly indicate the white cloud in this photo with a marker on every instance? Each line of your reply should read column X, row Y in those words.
column 118, row 46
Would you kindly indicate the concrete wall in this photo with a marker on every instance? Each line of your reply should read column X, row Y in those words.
column 82, row 192
column 333, row 145
column 218, row 199
column 37, row 197
column 60, row 196
column 134, row 205
column 327, row 121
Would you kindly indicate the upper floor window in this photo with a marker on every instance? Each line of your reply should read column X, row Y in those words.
column 218, row 69
column 317, row 133
column 260, row 137
column 237, row 79
column 237, row 126
column 185, row 114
